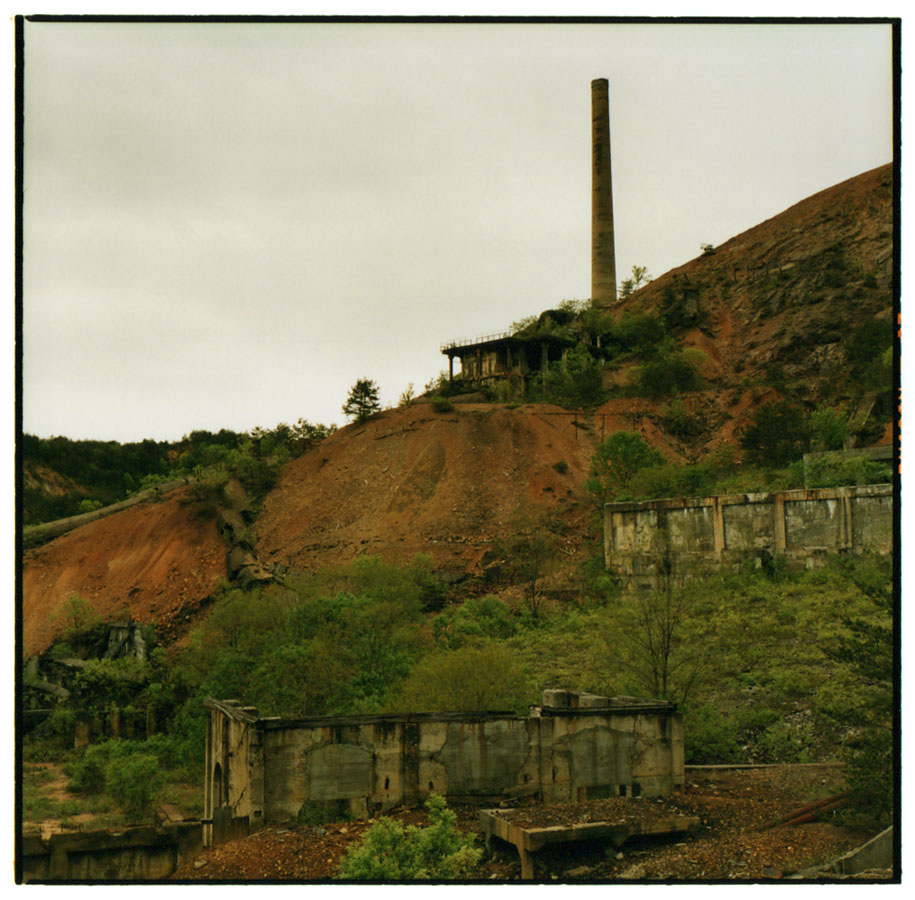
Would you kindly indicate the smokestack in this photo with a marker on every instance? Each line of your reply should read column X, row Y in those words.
column 603, row 263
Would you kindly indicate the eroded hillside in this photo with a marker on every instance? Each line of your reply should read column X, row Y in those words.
column 151, row 564
column 416, row 481
column 782, row 297
column 790, row 291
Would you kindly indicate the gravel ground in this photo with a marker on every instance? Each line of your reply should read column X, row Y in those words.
column 730, row 844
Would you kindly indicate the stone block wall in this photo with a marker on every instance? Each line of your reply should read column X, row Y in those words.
column 266, row 770
column 649, row 541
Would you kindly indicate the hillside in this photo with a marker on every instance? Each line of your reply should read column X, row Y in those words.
column 779, row 303
column 791, row 290
column 155, row 564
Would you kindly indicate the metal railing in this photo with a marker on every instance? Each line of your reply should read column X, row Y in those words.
column 482, row 339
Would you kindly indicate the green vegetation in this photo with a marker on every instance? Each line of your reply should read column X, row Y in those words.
column 768, row 666
column 475, row 677
column 362, row 400
column 574, row 381
column 668, row 373
column 107, row 471
column 777, row 435
column 390, row 852
column 616, row 462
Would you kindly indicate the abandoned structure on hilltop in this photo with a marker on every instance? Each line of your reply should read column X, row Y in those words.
column 513, row 356
column 573, row 747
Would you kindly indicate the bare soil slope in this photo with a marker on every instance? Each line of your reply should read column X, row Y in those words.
column 417, row 481
column 152, row 564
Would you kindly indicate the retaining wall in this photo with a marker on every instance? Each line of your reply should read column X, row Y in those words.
column 648, row 541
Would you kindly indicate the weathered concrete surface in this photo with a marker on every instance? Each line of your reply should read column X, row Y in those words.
column 877, row 853
column 275, row 770
column 131, row 854
column 645, row 542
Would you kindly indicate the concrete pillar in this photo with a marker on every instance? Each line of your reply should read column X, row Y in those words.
column 718, row 520
column 603, row 262
column 781, row 532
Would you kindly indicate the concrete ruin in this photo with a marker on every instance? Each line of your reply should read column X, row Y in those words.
column 647, row 543
column 513, row 356
column 574, row 746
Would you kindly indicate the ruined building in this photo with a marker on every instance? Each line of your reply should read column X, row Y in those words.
column 574, row 746
column 513, row 356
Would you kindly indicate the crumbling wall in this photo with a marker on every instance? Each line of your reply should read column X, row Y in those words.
column 649, row 541
column 571, row 747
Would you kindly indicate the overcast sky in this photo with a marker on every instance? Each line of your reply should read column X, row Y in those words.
column 227, row 224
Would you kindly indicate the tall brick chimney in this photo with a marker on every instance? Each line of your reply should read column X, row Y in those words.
column 603, row 263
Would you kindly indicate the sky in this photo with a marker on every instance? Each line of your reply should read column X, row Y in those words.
column 227, row 225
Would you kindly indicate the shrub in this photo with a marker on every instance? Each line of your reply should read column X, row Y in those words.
column 478, row 617
column 88, row 774
column 575, row 381
column 407, row 397
column 669, row 373
column 710, row 737
column 561, row 467
column 855, row 470
column 442, row 405
column 482, row 677
column 828, row 429
column 776, row 436
column 390, row 852
column 134, row 782
column 616, row 461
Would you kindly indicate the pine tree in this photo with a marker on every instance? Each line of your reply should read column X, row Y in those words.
column 362, row 400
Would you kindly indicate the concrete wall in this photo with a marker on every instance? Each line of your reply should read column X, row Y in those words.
column 646, row 541
column 130, row 854
column 275, row 770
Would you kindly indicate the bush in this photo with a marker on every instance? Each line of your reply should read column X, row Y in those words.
column 483, row 677
column 776, row 436
column 88, row 774
column 828, row 429
column 616, row 461
column 442, row 405
column 575, row 381
column 390, row 852
column 134, row 782
column 669, row 373
column 709, row 737
column 478, row 617
column 854, row 470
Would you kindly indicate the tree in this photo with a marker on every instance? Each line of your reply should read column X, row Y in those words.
column 616, row 460
column 659, row 640
column 777, row 434
column 362, row 400
column 867, row 650
column 828, row 428
column 640, row 276
column 486, row 676
column 407, row 397
column 529, row 554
